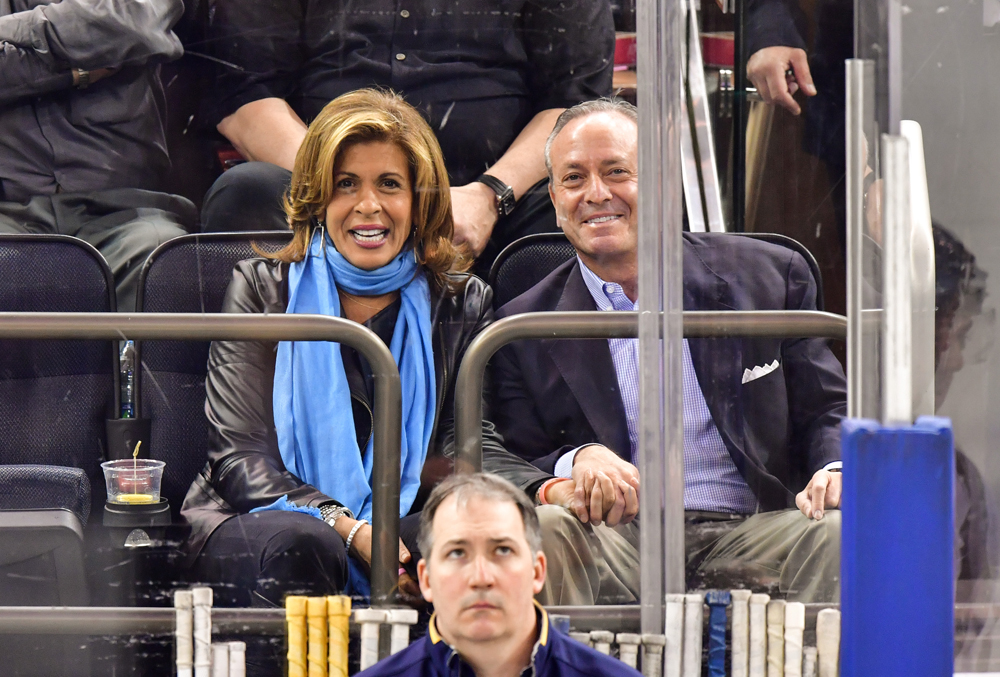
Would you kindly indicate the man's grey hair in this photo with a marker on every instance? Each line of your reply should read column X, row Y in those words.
column 605, row 105
column 478, row 485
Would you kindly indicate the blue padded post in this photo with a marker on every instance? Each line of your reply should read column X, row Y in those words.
column 717, row 601
column 897, row 566
column 560, row 623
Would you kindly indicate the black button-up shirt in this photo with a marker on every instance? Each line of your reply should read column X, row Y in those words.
column 478, row 70
column 111, row 135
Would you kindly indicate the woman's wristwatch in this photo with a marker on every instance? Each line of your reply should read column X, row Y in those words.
column 332, row 512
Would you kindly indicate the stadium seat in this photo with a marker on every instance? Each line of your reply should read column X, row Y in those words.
column 56, row 395
column 188, row 274
column 525, row 262
column 54, row 399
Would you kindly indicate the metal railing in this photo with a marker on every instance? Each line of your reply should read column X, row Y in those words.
column 159, row 621
column 608, row 325
column 387, row 408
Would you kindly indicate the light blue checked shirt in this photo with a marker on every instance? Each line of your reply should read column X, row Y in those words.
column 711, row 480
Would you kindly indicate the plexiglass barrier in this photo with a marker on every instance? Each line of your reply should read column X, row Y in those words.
column 766, row 116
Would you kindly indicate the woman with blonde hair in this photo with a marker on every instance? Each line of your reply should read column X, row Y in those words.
column 284, row 503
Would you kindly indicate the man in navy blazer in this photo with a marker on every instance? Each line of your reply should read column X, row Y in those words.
column 761, row 416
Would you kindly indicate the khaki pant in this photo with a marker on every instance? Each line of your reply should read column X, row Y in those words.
column 783, row 549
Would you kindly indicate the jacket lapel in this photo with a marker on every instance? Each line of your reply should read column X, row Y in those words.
column 718, row 362
column 586, row 367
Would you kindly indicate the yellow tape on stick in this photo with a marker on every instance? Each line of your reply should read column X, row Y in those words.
column 338, row 610
column 316, row 621
column 295, row 617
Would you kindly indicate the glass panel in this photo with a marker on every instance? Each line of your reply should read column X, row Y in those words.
column 947, row 51
column 716, row 436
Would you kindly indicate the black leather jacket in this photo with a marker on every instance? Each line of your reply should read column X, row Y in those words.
column 244, row 469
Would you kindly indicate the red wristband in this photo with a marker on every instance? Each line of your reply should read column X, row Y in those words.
column 542, row 500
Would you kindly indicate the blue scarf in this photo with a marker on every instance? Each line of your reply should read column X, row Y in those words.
column 313, row 416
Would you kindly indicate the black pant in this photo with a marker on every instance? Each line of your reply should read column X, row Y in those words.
column 258, row 559
column 249, row 197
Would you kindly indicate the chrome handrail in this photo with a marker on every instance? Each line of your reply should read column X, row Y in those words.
column 387, row 408
column 608, row 325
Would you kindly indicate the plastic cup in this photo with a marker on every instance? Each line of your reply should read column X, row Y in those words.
column 133, row 482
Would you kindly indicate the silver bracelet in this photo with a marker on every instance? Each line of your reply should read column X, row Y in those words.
column 350, row 536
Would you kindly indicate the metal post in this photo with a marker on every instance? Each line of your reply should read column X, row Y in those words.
column 856, row 70
column 739, row 117
column 897, row 379
column 236, row 327
column 661, row 550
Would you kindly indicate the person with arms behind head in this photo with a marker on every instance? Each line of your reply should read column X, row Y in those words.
column 490, row 76
column 83, row 149
column 285, row 501
column 482, row 565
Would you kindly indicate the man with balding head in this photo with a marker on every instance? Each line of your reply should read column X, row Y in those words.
column 761, row 416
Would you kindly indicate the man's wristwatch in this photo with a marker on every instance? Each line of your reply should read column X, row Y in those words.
column 505, row 194
column 331, row 513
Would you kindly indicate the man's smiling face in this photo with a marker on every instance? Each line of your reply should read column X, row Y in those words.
column 594, row 186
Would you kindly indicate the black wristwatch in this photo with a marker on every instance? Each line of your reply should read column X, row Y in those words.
column 505, row 194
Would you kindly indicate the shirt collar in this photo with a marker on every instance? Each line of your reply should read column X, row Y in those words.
column 602, row 291
column 542, row 641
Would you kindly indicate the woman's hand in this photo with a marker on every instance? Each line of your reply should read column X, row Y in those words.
column 361, row 546
column 475, row 213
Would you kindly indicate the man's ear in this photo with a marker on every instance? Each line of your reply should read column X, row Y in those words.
column 423, row 577
column 552, row 199
column 541, row 567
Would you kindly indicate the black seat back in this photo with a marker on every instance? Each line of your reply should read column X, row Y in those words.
column 189, row 274
column 525, row 262
column 56, row 395
column 795, row 246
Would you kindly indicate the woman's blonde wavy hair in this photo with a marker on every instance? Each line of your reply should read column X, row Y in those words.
column 374, row 115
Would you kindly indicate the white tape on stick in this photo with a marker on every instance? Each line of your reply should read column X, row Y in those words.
column 237, row 659
column 828, row 642
column 674, row 635
column 602, row 641
column 795, row 625
column 652, row 655
column 776, row 638
column 741, row 632
column 693, row 628
column 202, row 598
column 369, row 620
column 184, row 631
column 220, row 659
column 758, row 635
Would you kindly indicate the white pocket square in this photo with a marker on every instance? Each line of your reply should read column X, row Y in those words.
column 758, row 371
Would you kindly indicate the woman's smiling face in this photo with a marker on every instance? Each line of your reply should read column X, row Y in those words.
column 370, row 216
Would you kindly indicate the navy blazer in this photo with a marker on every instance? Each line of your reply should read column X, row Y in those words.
column 550, row 396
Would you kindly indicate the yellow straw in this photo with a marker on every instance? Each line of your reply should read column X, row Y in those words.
column 135, row 461
column 339, row 610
